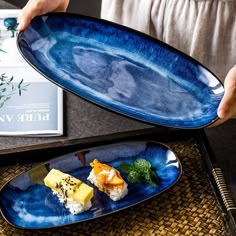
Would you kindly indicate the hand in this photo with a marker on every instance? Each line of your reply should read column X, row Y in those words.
column 39, row 7
column 227, row 107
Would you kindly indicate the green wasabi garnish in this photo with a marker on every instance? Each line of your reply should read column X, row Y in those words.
column 140, row 171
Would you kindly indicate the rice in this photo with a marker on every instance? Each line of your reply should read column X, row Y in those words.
column 115, row 193
column 73, row 206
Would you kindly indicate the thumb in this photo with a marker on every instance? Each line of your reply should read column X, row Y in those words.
column 39, row 7
column 229, row 98
column 30, row 10
column 24, row 20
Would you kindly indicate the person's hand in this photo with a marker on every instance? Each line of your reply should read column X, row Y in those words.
column 39, row 7
column 227, row 107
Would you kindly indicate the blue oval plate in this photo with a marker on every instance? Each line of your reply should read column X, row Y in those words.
column 122, row 70
column 27, row 203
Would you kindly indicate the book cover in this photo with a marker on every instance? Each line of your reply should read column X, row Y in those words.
column 29, row 103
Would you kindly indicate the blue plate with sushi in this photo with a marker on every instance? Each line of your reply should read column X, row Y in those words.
column 122, row 70
column 26, row 202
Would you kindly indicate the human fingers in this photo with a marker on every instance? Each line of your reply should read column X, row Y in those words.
column 39, row 7
column 227, row 106
column 228, row 103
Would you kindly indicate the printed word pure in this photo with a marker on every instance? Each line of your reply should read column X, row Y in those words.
column 24, row 117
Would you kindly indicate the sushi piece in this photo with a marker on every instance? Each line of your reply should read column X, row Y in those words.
column 72, row 192
column 108, row 180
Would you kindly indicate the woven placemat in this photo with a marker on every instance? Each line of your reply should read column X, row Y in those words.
column 188, row 208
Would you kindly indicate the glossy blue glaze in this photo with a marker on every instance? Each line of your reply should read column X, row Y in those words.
column 26, row 202
column 122, row 70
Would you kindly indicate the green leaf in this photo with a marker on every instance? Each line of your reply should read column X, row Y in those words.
column 142, row 164
column 3, row 90
column 126, row 167
column 140, row 171
column 19, row 85
column 154, row 178
column 2, row 51
column 8, row 89
column 133, row 176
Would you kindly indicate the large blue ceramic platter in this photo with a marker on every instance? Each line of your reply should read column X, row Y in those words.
column 27, row 203
column 122, row 70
